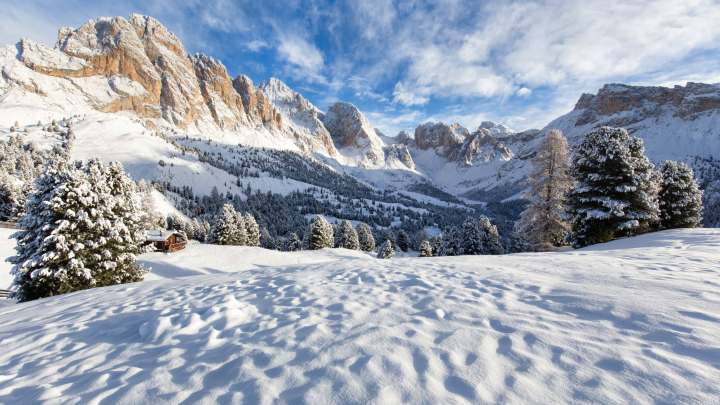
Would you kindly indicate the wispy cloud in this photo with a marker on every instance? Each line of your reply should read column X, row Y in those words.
column 512, row 61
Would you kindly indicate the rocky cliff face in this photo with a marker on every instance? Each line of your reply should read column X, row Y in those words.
column 685, row 102
column 301, row 116
column 175, row 86
column 455, row 143
column 352, row 133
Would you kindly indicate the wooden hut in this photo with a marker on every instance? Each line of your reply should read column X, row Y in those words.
column 166, row 241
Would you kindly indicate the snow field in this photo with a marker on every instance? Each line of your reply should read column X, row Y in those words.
column 630, row 321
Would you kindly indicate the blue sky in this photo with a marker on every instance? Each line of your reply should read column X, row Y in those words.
column 521, row 63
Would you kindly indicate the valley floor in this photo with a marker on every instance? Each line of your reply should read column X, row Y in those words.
column 632, row 321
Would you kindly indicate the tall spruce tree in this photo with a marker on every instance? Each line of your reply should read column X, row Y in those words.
column 543, row 224
column 680, row 197
column 617, row 187
column 480, row 237
column 252, row 230
column 403, row 241
column 320, row 234
column 365, row 237
column 348, row 236
column 239, row 237
column 224, row 229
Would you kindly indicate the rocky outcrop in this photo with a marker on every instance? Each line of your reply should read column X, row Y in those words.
column 455, row 143
column 636, row 103
column 301, row 116
column 350, row 130
column 179, row 88
column 399, row 153
column 442, row 137
column 257, row 105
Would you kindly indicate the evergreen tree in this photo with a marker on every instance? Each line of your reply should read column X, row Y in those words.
column 386, row 250
column 121, row 238
column 480, row 237
column 320, row 234
column 224, row 229
column 680, row 197
column 616, row 192
column 81, row 230
column 239, row 237
column 403, row 241
column 365, row 237
column 543, row 223
column 451, row 243
column 11, row 199
column 426, row 249
column 293, row 243
column 266, row 240
column 348, row 236
column 252, row 230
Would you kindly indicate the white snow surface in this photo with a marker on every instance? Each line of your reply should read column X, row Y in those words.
column 632, row 321
column 7, row 249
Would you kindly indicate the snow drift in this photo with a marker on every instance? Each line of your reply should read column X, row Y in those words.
column 635, row 320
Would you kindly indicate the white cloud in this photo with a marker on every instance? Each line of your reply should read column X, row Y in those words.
column 302, row 54
column 517, row 46
column 523, row 92
column 256, row 45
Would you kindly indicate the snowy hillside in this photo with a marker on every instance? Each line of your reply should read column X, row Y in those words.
column 634, row 320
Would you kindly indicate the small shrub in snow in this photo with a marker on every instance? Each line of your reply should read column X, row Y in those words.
column 617, row 188
column 426, row 249
column 365, row 237
column 680, row 197
column 386, row 250
column 321, row 234
column 348, row 236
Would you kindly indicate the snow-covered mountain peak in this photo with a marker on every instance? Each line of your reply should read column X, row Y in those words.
column 353, row 134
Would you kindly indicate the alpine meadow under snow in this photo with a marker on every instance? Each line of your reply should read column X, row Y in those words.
column 172, row 233
column 632, row 321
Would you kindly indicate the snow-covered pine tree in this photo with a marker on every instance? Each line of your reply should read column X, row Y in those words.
column 252, row 230
column 680, row 197
column 293, row 243
column 348, row 236
column 11, row 198
column 239, row 237
column 386, row 250
column 480, row 237
column 122, row 235
column 365, row 237
column 451, row 242
column 543, row 223
column 224, row 229
column 80, row 231
column 403, row 241
column 320, row 234
column 616, row 192
column 426, row 249
column 267, row 241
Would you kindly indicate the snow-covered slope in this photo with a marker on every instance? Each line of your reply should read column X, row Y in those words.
column 675, row 123
column 7, row 249
column 633, row 321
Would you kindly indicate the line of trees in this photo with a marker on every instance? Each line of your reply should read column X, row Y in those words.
column 608, row 189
